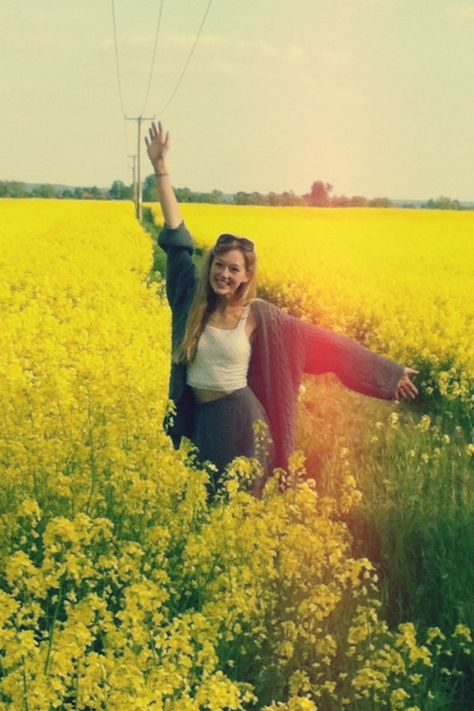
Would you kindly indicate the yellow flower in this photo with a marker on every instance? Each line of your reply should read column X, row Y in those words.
column 425, row 423
column 129, row 586
column 398, row 697
column 463, row 632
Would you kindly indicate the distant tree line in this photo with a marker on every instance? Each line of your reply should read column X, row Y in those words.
column 443, row 203
column 17, row 189
column 318, row 196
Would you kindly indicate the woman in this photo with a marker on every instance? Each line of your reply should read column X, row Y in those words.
column 238, row 359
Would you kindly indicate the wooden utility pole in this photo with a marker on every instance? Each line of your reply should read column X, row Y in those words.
column 134, row 174
column 138, row 193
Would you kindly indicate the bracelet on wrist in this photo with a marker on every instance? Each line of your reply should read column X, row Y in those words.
column 160, row 175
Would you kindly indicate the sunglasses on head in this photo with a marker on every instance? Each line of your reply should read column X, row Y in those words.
column 228, row 238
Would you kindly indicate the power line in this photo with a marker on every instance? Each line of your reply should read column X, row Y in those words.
column 142, row 118
column 186, row 64
column 150, row 75
column 119, row 84
column 117, row 63
column 158, row 25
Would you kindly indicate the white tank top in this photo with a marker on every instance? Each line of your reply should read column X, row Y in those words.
column 222, row 358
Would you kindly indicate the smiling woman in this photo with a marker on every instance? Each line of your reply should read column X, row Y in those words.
column 238, row 360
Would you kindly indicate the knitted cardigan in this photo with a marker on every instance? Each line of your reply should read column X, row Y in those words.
column 284, row 348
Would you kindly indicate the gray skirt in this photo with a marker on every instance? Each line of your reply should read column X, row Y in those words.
column 224, row 429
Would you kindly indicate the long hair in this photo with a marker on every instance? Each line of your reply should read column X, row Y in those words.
column 205, row 298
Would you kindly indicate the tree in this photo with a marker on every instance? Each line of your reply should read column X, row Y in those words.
column 255, row 198
column 120, row 191
column 340, row 201
column 442, row 203
column 184, row 195
column 94, row 193
column 149, row 192
column 320, row 194
column 16, row 189
column 380, row 202
column 44, row 191
column 214, row 198
column 358, row 201
column 242, row 198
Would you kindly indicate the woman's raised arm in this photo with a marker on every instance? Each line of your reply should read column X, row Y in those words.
column 157, row 145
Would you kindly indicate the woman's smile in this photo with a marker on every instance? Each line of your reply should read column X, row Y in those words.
column 228, row 271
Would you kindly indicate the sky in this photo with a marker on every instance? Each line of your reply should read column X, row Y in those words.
column 375, row 97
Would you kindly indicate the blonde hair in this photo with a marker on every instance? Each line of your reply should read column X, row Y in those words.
column 205, row 298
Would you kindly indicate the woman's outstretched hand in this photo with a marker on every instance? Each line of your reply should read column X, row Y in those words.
column 157, row 144
column 405, row 388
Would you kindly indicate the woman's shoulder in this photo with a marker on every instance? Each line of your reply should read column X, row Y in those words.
column 258, row 304
column 267, row 312
column 276, row 327
column 262, row 305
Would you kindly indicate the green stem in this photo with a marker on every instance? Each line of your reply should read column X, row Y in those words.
column 25, row 688
column 92, row 456
column 77, row 684
column 53, row 625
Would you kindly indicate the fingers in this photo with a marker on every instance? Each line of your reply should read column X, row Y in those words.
column 410, row 390
column 156, row 132
column 406, row 389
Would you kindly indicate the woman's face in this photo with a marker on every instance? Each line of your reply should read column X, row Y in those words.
column 228, row 273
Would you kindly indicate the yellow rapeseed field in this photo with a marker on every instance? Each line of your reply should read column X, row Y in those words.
column 121, row 586
column 400, row 281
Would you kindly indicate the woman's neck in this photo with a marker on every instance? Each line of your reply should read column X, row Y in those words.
column 224, row 306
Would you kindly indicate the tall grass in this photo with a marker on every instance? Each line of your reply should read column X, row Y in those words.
column 416, row 515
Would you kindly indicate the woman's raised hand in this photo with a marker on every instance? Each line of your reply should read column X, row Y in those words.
column 405, row 388
column 157, row 144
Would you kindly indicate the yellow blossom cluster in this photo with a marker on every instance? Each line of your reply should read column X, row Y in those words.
column 397, row 280
column 121, row 585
